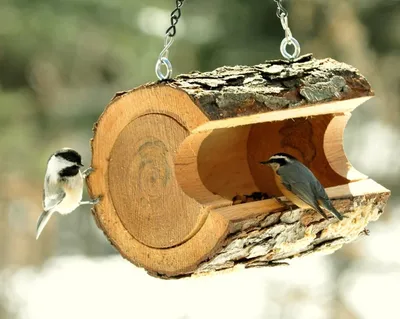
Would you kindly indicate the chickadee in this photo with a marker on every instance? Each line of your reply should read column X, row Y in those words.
column 63, row 186
column 300, row 185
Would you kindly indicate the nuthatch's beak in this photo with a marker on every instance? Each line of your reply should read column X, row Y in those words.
column 265, row 163
column 42, row 221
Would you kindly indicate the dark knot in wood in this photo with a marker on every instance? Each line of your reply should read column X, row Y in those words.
column 151, row 167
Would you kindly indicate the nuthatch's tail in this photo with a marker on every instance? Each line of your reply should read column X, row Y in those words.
column 328, row 206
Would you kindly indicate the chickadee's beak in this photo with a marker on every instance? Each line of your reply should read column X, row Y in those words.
column 81, row 165
column 42, row 221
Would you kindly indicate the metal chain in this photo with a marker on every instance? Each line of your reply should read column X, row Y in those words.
column 168, row 40
column 283, row 15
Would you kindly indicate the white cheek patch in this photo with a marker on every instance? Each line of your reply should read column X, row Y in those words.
column 54, row 166
column 281, row 157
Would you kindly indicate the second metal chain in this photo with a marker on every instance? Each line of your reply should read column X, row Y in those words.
column 168, row 40
column 283, row 14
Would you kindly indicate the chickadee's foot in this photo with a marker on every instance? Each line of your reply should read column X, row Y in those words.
column 87, row 172
column 91, row 202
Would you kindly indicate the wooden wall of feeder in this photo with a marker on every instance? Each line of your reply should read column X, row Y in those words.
column 177, row 165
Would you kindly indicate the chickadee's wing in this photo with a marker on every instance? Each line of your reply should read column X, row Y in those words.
column 53, row 200
column 53, row 194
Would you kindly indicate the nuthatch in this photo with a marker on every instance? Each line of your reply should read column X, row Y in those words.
column 63, row 186
column 299, row 184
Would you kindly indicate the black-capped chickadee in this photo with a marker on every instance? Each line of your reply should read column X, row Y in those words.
column 63, row 186
column 299, row 184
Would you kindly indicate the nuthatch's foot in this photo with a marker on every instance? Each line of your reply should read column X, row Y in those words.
column 87, row 172
column 285, row 204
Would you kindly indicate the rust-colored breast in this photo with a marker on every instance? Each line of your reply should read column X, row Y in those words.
column 288, row 194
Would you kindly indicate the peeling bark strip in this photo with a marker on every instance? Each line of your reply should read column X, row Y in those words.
column 177, row 166
column 275, row 85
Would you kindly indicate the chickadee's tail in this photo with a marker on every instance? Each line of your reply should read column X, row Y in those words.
column 328, row 206
column 42, row 221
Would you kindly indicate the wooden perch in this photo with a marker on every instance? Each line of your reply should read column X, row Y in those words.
column 172, row 159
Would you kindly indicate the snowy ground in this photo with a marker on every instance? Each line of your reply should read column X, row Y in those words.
column 79, row 287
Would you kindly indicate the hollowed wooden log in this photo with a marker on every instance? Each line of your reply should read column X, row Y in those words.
column 177, row 166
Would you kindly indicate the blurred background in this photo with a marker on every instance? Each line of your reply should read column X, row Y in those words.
column 60, row 64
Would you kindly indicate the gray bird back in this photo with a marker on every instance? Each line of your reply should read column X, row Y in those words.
column 301, row 181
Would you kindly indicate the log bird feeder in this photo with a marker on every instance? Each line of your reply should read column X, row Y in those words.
column 176, row 164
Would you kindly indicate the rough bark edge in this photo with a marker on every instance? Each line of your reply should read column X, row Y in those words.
column 274, row 85
column 274, row 238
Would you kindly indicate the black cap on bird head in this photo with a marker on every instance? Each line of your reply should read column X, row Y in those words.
column 70, row 155
column 279, row 159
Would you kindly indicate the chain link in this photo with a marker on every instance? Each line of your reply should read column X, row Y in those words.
column 280, row 10
column 175, row 15
column 283, row 15
column 168, row 40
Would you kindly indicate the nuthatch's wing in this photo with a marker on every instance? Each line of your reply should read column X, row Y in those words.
column 302, row 182
column 304, row 192
column 325, row 202
column 298, row 179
